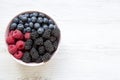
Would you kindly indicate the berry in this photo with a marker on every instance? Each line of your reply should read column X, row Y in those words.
column 10, row 40
column 46, row 34
column 23, row 17
column 27, row 35
column 20, row 27
column 36, row 25
column 17, row 34
column 34, row 53
column 33, row 19
column 55, row 44
column 20, row 22
column 39, row 20
column 39, row 41
column 39, row 60
column 45, row 20
column 51, row 21
column 40, row 30
column 29, row 20
column 46, row 57
column 13, row 26
column 35, row 14
column 26, row 57
column 31, row 24
column 26, row 25
column 41, row 15
column 26, row 14
column 28, row 47
column 45, row 26
column 18, row 55
column 20, row 45
column 56, row 32
column 51, row 26
column 29, row 42
column 16, row 20
column 10, row 33
column 28, row 29
column 33, row 30
column 12, row 49
column 52, row 39
column 34, row 35
column 48, row 46
column 41, row 50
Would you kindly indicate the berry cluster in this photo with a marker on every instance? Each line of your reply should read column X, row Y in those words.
column 33, row 37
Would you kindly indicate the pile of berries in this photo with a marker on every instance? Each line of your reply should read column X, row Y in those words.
column 32, row 37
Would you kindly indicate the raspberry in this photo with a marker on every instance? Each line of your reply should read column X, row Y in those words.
column 17, row 34
column 10, row 33
column 18, row 55
column 20, row 45
column 10, row 40
column 26, row 57
column 12, row 49
column 46, row 57
column 27, row 36
column 48, row 46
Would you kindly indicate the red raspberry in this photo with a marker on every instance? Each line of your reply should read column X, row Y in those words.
column 27, row 36
column 17, row 34
column 10, row 33
column 20, row 44
column 10, row 40
column 18, row 55
column 12, row 49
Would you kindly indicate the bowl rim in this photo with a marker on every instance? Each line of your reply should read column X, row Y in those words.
column 20, row 61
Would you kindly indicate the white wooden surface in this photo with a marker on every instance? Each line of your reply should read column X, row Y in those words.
column 90, row 42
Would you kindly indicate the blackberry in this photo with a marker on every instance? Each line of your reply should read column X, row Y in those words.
column 46, row 57
column 46, row 34
column 39, row 60
column 29, row 42
column 56, row 32
column 26, row 57
column 48, row 46
column 55, row 44
column 28, row 47
column 52, row 38
column 41, row 50
column 34, row 35
column 39, row 41
column 34, row 53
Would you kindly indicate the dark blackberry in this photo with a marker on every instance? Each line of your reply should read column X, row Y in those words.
column 28, row 47
column 56, row 32
column 46, row 34
column 52, row 38
column 34, row 53
column 26, row 57
column 55, row 44
column 29, row 42
column 46, row 57
column 39, row 60
column 39, row 41
column 41, row 50
column 48, row 46
column 34, row 35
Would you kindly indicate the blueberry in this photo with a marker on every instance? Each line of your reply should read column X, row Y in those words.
column 40, row 30
column 31, row 24
column 33, row 30
column 40, row 20
column 28, row 29
column 31, row 15
column 45, row 20
column 26, row 14
column 26, row 25
column 36, row 25
column 23, row 17
column 51, row 26
column 35, row 14
column 41, row 15
column 51, row 21
column 45, row 26
column 20, row 27
column 16, row 20
column 21, row 22
column 24, row 30
column 33, row 19
column 29, row 20
column 13, row 26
